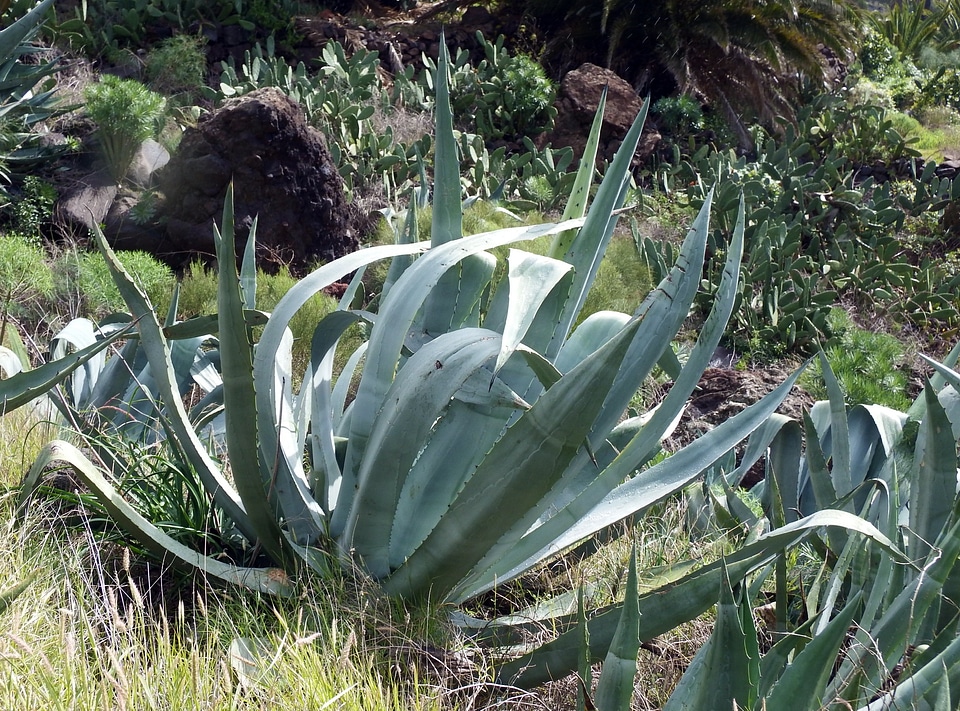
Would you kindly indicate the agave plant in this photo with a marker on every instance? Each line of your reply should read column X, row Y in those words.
column 877, row 634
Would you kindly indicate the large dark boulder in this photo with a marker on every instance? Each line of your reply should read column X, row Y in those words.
column 282, row 174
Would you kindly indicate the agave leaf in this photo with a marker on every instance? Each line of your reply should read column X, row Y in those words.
column 588, row 247
column 530, row 280
column 158, row 352
column 518, row 471
column 725, row 672
column 387, row 341
column 878, row 649
column 272, row 373
column 839, row 433
column 583, row 488
column 447, row 208
column 408, row 235
column 927, row 687
column 675, row 603
column 586, row 515
column 13, row 36
column 802, row 683
column 595, row 330
column 615, row 688
column 253, row 482
column 26, row 386
column 417, row 398
column 580, row 192
column 933, row 481
column 268, row 580
column 202, row 326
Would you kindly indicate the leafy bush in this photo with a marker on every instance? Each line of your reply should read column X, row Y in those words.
column 177, row 66
column 679, row 115
column 85, row 273
column 504, row 97
column 126, row 114
column 30, row 211
column 867, row 365
column 816, row 229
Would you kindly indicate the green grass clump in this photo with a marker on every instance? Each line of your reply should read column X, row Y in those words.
column 87, row 274
column 868, row 366
column 25, row 277
column 97, row 631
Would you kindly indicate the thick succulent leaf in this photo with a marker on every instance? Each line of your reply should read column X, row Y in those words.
column 77, row 335
column 615, row 687
column 664, row 312
column 447, row 222
column 724, row 672
column 580, row 193
column 522, row 466
column 323, row 413
column 839, row 433
column 418, row 397
column 239, row 399
column 926, row 688
column 408, row 235
column 268, row 580
column 933, row 481
column 588, row 247
column 269, row 373
column 26, row 386
column 158, row 352
column 454, row 302
column 203, row 326
column 675, row 603
column 595, row 330
column 432, row 483
column 875, row 651
column 583, row 488
column 802, row 683
column 13, row 36
column 530, row 279
column 606, row 501
column 947, row 395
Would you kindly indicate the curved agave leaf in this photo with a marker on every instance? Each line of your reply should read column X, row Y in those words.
column 387, row 341
column 268, row 580
column 26, row 386
column 585, row 485
column 252, row 480
column 801, row 684
column 157, row 349
column 615, row 687
column 677, row 602
column 418, row 397
column 725, row 672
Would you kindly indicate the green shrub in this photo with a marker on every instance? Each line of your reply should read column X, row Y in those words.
column 87, row 274
column 177, row 66
column 679, row 115
column 30, row 211
column 868, row 366
column 126, row 114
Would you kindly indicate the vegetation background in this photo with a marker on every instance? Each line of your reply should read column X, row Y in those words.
column 178, row 551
